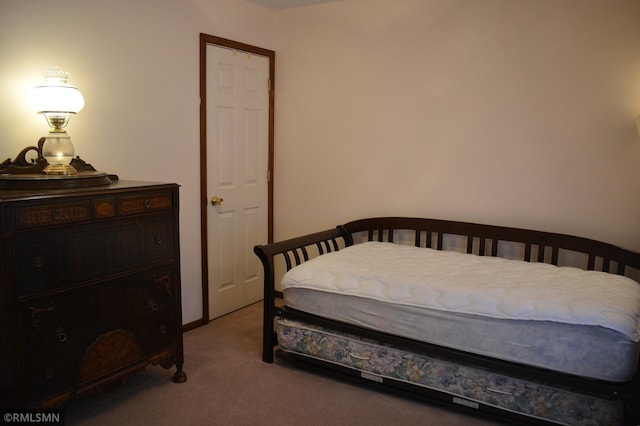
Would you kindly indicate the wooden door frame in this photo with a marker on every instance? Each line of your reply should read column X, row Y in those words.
column 205, row 40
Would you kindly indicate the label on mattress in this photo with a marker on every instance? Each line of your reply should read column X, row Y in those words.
column 371, row 377
column 480, row 285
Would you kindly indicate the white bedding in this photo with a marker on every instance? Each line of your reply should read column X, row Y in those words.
column 465, row 283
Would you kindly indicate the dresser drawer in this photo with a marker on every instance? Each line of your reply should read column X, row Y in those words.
column 82, row 335
column 69, row 213
column 144, row 203
column 57, row 257
column 34, row 216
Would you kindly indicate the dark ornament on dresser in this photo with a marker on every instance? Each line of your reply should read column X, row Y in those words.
column 24, row 173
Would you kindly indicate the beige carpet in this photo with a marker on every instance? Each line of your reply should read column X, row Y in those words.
column 228, row 384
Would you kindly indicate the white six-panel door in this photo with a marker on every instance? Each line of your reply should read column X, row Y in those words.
column 237, row 166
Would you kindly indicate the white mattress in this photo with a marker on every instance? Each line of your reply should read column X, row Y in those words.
column 466, row 283
column 565, row 319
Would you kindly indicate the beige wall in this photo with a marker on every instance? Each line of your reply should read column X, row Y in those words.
column 505, row 112
column 136, row 62
column 497, row 111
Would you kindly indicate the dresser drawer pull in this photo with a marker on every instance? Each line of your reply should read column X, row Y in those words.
column 48, row 373
column 152, row 305
column 159, row 239
column 38, row 314
column 163, row 329
column 164, row 280
column 60, row 334
column 38, row 262
column 55, row 215
column 146, row 204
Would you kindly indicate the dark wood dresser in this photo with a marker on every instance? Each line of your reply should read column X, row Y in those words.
column 89, row 289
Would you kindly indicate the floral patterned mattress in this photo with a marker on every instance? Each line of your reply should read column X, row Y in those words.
column 465, row 385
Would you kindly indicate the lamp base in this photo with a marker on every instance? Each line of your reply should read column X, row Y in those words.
column 60, row 169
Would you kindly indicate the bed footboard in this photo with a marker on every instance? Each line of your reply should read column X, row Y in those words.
column 293, row 252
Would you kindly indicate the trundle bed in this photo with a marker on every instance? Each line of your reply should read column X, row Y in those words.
column 525, row 326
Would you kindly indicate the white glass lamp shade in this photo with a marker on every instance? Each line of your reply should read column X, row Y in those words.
column 56, row 99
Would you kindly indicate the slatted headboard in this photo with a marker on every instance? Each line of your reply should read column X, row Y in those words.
column 486, row 240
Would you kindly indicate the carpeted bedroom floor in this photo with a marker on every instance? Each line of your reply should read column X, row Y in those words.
column 228, row 384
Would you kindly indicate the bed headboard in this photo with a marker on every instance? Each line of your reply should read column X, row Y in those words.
column 489, row 240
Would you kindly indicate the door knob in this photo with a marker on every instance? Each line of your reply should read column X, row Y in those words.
column 217, row 201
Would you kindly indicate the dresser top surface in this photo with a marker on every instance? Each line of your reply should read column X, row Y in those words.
column 120, row 186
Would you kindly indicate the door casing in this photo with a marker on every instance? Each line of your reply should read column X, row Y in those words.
column 205, row 40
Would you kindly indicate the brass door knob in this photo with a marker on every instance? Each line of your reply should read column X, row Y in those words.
column 217, row 201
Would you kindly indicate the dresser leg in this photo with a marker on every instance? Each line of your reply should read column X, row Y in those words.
column 179, row 376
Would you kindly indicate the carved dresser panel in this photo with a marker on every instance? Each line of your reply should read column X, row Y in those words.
column 89, row 289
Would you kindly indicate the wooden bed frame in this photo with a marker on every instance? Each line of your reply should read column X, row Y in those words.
column 483, row 240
